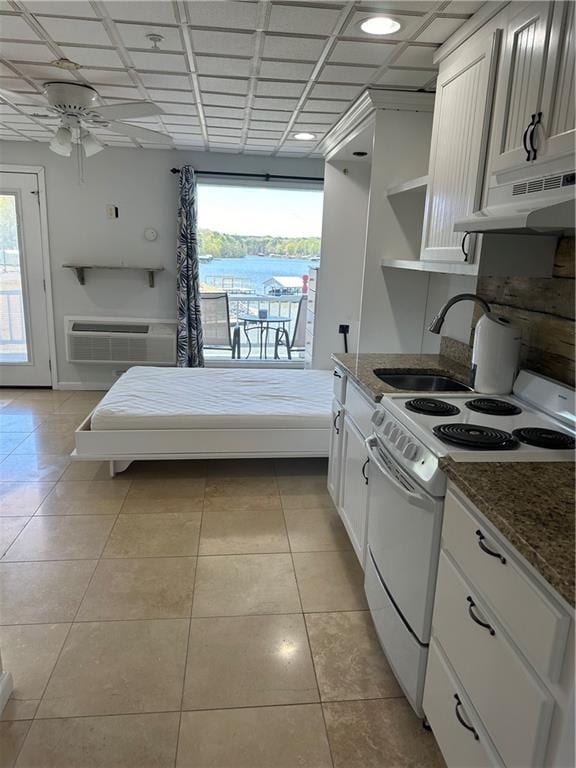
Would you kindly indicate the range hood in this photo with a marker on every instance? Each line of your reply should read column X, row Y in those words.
column 542, row 205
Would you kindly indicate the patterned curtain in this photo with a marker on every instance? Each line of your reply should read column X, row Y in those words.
column 189, row 336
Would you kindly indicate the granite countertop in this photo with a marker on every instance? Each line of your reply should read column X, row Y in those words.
column 532, row 505
column 360, row 367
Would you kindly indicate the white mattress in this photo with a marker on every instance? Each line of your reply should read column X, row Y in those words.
column 216, row 398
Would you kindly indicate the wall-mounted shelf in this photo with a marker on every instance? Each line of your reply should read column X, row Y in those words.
column 413, row 185
column 80, row 270
column 419, row 265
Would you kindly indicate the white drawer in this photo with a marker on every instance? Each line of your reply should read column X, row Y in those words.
column 359, row 409
column 339, row 385
column 456, row 726
column 512, row 703
column 537, row 625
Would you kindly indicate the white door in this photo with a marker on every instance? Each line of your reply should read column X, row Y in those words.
column 353, row 507
column 24, row 348
column 519, row 86
column 458, row 150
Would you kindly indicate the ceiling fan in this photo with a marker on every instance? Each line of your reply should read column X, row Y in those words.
column 80, row 109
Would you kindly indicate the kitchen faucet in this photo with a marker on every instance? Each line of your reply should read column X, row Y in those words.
column 438, row 321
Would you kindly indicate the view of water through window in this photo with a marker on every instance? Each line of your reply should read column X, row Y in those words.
column 258, row 246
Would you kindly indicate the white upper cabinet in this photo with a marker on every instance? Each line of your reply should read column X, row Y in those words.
column 459, row 146
column 534, row 110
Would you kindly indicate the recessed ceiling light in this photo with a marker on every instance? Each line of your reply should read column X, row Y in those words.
column 380, row 25
column 304, row 136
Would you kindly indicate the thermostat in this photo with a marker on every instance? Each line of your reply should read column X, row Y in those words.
column 151, row 235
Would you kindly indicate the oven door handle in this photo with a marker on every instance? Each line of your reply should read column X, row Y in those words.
column 373, row 449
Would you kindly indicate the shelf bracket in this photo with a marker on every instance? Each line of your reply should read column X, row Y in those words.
column 151, row 278
column 80, row 275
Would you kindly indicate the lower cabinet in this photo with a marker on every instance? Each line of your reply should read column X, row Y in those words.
column 335, row 454
column 353, row 497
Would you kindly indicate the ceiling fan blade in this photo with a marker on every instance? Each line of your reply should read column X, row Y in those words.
column 129, row 110
column 27, row 99
column 141, row 134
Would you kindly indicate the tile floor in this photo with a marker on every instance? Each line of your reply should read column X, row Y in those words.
column 184, row 614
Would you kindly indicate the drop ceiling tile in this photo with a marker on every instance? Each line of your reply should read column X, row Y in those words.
column 223, row 85
column 269, row 114
column 117, row 92
column 464, row 6
column 237, row 114
column 61, row 7
column 74, row 30
column 6, row 109
column 334, row 73
column 227, row 43
column 265, row 134
column 270, row 126
column 440, row 30
column 315, row 117
column 417, row 56
column 262, row 142
column 224, row 100
column 224, row 122
column 16, row 84
column 136, row 10
column 286, row 105
column 27, row 52
column 375, row 54
column 172, row 96
column 311, row 21
column 228, row 131
column 107, row 77
column 227, row 15
column 208, row 65
column 288, row 70
column 215, row 137
column 315, row 105
column 410, row 23
column 94, row 57
column 306, row 49
column 271, row 88
column 177, row 109
column 15, row 28
column 134, row 36
column 410, row 78
column 172, row 120
column 303, row 146
column 150, row 60
column 346, row 92
column 154, row 80
column 182, row 133
column 317, row 128
column 44, row 72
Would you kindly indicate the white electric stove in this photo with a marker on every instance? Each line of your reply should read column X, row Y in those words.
column 412, row 433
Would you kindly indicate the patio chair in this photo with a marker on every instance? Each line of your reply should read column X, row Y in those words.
column 298, row 340
column 217, row 329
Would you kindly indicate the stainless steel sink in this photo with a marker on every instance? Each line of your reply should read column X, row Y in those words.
column 421, row 382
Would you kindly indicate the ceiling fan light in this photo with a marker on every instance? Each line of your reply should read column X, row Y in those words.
column 62, row 142
column 91, row 145
column 304, row 136
column 380, row 25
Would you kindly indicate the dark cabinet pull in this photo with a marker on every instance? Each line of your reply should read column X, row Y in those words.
column 461, row 719
column 487, row 550
column 525, row 137
column 338, row 375
column 336, row 427
column 483, row 624
column 536, row 121
column 463, row 245
column 364, row 475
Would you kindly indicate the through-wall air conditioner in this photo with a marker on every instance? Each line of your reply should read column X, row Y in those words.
column 120, row 341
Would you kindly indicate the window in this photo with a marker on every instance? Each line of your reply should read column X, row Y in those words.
column 257, row 245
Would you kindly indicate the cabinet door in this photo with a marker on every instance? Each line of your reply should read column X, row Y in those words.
column 555, row 136
column 520, row 84
column 353, row 507
column 335, row 452
column 458, row 152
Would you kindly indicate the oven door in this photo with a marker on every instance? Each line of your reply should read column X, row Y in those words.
column 404, row 526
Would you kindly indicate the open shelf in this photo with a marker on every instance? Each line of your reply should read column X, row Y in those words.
column 80, row 270
column 420, row 265
column 408, row 186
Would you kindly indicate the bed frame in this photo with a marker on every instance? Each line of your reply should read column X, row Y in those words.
column 122, row 447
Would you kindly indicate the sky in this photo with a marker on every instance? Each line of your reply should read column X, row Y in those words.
column 260, row 211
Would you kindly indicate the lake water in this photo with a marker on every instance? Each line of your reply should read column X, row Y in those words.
column 252, row 271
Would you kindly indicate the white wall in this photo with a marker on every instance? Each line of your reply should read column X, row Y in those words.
column 139, row 182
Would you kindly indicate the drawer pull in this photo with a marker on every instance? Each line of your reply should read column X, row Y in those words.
column 487, row 550
column 364, row 466
column 484, row 624
column 337, row 375
column 461, row 719
column 336, row 426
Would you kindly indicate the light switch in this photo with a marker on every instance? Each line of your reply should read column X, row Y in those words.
column 112, row 211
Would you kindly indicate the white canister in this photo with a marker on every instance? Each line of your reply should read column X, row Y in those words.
column 495, row 355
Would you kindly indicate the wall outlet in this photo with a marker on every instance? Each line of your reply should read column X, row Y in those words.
column 111, row 211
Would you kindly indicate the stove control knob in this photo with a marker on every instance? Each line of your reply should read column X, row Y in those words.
column 402, row 441
column 394, row 434
column 387, row 428
column 411, row 452
column 378, row 418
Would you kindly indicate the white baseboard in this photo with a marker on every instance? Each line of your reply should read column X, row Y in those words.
column 83, row 385
column 6, row 688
